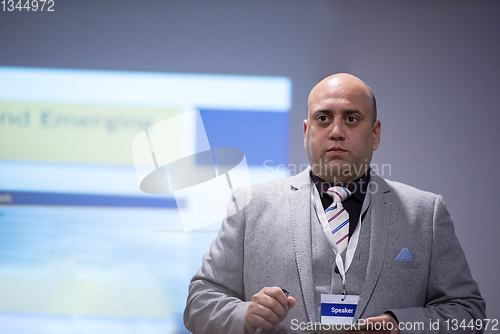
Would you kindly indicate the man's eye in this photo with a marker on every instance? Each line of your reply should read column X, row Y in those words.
column 351, row 119
column 322, row 118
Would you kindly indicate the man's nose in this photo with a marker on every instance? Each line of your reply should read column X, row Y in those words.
column 337, row 130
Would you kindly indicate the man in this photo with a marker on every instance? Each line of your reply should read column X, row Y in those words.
column 395, row 251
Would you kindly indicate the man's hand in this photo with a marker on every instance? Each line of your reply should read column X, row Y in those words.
column 382, row 324
column 267, row 308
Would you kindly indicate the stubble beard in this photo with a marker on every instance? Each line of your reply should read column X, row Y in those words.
column 339, row 173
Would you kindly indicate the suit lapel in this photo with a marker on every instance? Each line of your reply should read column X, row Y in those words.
column 380, row 208
column 300, row 214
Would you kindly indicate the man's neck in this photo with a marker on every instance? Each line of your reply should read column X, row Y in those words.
column 358, row 186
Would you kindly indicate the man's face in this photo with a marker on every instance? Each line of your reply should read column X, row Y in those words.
column 339, row 133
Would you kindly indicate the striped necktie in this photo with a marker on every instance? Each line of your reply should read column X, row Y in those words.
column 338, row 218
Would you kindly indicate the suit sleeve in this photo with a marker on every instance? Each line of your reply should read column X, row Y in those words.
column 215, row 300
column 452, row 293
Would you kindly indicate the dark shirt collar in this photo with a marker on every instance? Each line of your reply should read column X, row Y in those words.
column 358, row 187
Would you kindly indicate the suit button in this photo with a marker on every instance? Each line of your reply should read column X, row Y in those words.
column 337, row 270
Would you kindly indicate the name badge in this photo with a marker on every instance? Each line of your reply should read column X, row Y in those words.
column 335, row 311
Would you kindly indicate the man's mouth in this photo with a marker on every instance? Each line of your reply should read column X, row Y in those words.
column 336, row 149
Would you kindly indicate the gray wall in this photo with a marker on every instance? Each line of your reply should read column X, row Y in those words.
column 433, row 67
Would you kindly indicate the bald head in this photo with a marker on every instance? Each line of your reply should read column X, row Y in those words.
column 341, row 130
column 343, row 82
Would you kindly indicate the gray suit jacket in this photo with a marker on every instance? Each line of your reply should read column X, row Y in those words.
column 268, row 243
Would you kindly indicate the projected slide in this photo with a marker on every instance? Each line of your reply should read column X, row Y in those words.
column 82, row 248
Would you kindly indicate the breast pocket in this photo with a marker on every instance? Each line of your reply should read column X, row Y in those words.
column 406, row 258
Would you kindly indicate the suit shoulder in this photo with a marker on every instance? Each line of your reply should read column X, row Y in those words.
column 272, row 193
column 269, row 188
column 408, row 192
column 413, row 201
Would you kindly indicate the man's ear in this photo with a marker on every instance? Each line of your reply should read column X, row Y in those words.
column 305, row 129
column 377, row 127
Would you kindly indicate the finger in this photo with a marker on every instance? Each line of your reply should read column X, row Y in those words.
column 271, row 303
column 278, row 294
column 381, row 324
column 266, row 313
column 268, row 307
column 262, row 305
column 291, row 302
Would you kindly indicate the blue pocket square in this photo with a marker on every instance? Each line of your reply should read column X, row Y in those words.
column 404, row 256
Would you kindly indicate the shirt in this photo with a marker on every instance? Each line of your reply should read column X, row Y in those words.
column 353, row 204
